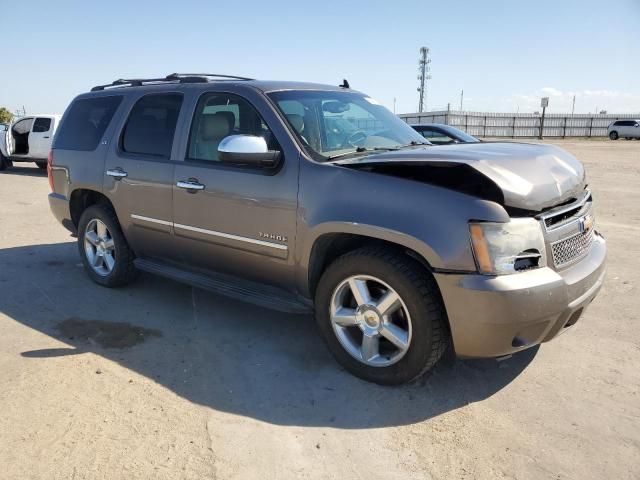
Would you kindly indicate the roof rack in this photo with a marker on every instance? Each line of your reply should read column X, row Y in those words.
column 171, row 78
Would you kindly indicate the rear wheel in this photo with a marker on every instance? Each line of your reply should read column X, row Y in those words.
column 105, row 253
column 381, row 316
column 42, row 165
column 613, row 135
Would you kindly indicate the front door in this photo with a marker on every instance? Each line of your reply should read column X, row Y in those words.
column 40, row 138
column 139, row 174
column 231, row 219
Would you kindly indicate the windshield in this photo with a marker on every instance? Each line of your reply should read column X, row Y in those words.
column 334, row 123
column 459, row 134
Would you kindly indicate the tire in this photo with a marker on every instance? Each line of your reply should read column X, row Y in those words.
column 42, row 165
column 4, row 162
column 613, row 135
column 419, row 314
column 116, row 272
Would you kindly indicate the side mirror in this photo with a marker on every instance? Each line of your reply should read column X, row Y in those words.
column 247, row 150
column 637, row 125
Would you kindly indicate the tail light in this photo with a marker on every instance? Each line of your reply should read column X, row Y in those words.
column 49, row 172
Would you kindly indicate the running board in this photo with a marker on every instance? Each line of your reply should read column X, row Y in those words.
column 247, row 291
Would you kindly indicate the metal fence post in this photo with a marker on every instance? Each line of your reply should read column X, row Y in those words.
column 564, row 133
column 590, row 127
column 485, row 126
column 513, row 128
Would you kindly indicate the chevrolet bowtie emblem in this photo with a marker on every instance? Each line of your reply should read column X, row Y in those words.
column 586, row 223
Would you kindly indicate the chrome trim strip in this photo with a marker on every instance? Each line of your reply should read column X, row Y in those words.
column 211, row 232
column 152, row 220
column 566, row 208
column 231, row 237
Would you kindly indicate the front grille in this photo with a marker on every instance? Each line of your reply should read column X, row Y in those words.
column 572, row 248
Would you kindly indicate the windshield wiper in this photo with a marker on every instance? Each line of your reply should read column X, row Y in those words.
column 361, row 150
column 413, row 143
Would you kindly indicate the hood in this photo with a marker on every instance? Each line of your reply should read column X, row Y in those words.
column 529, row 176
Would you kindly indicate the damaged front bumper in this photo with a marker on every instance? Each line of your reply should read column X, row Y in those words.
column 492, row 316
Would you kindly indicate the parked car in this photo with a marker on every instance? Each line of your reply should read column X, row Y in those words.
column 28, row 139
column 399, row 247
column 441, row 134
column 624, row 129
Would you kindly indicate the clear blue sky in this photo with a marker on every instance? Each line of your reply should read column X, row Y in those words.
column 504, row 54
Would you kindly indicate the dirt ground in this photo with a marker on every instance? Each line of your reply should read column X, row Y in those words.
column 159, row 380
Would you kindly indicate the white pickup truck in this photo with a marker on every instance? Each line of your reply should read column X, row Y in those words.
column 28, row 139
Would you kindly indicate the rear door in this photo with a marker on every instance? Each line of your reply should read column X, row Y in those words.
column 40, row 138
column 139, row 171
column 241, row 220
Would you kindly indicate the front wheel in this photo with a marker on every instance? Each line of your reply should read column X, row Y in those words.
column 381, row 316
column 4, row 162
column 105, row 253
column 613, row 135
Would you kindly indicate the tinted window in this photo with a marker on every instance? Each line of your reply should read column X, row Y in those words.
column 152, row 125
column 85, row 122
column 41, row 125
column 219, row 115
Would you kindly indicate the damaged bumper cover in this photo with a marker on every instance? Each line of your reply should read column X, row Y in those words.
column 491, row 316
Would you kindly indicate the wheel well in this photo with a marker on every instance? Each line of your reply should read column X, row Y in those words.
column 82, row 199
column 330, row 246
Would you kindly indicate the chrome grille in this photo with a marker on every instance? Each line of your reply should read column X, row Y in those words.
column 572, row 248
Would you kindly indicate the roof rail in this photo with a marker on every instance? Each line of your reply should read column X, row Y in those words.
column 171, row 78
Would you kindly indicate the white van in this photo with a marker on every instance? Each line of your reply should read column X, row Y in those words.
column 28, row 139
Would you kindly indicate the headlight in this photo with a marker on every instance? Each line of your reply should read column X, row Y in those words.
column 501, row 248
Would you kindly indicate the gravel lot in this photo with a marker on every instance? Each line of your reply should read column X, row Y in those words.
column 182, row 384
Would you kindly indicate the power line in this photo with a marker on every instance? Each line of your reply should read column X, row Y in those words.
column 424, row 69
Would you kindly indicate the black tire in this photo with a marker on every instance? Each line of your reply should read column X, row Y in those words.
column 124, row 271
column 4, row 162
column 42, row 165
column 613, row 135
column 418, row 291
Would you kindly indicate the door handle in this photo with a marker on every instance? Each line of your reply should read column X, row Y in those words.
column 117, row 173
column 45, row 137
column 190, row 185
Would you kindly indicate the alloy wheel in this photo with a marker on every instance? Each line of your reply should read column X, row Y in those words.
column 99, row 247
column 370, row 320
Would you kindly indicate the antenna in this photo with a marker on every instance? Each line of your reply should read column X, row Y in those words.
column 424, row 69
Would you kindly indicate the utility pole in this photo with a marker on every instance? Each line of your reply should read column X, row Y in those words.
column 394, row 105
column 573, row 105
column 461, row 98
column 424, row 69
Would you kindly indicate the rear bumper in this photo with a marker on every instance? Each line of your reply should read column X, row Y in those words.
column 495, row 316
column 60, row 208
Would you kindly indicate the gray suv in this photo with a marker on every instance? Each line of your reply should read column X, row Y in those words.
column 303, row 197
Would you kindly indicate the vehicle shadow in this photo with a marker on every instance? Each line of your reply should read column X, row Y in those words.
column 221, row 353
column 26, row 170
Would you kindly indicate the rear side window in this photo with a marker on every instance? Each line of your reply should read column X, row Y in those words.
column 152, row 125
column 85, row 123
column 41, row 125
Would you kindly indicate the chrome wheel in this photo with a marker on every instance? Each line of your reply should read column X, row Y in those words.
column 370, row 320
column 99, row 247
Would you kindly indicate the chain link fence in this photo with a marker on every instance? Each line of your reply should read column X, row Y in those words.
column 514, row 125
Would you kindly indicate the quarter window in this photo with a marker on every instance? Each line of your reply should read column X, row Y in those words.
column 151, row 125
column 219, row 115
column 85, row 122
column 41, row 125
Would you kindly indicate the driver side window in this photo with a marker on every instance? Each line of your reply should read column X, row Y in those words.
column 219, row 115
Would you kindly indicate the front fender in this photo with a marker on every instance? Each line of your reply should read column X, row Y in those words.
column 432, row 221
